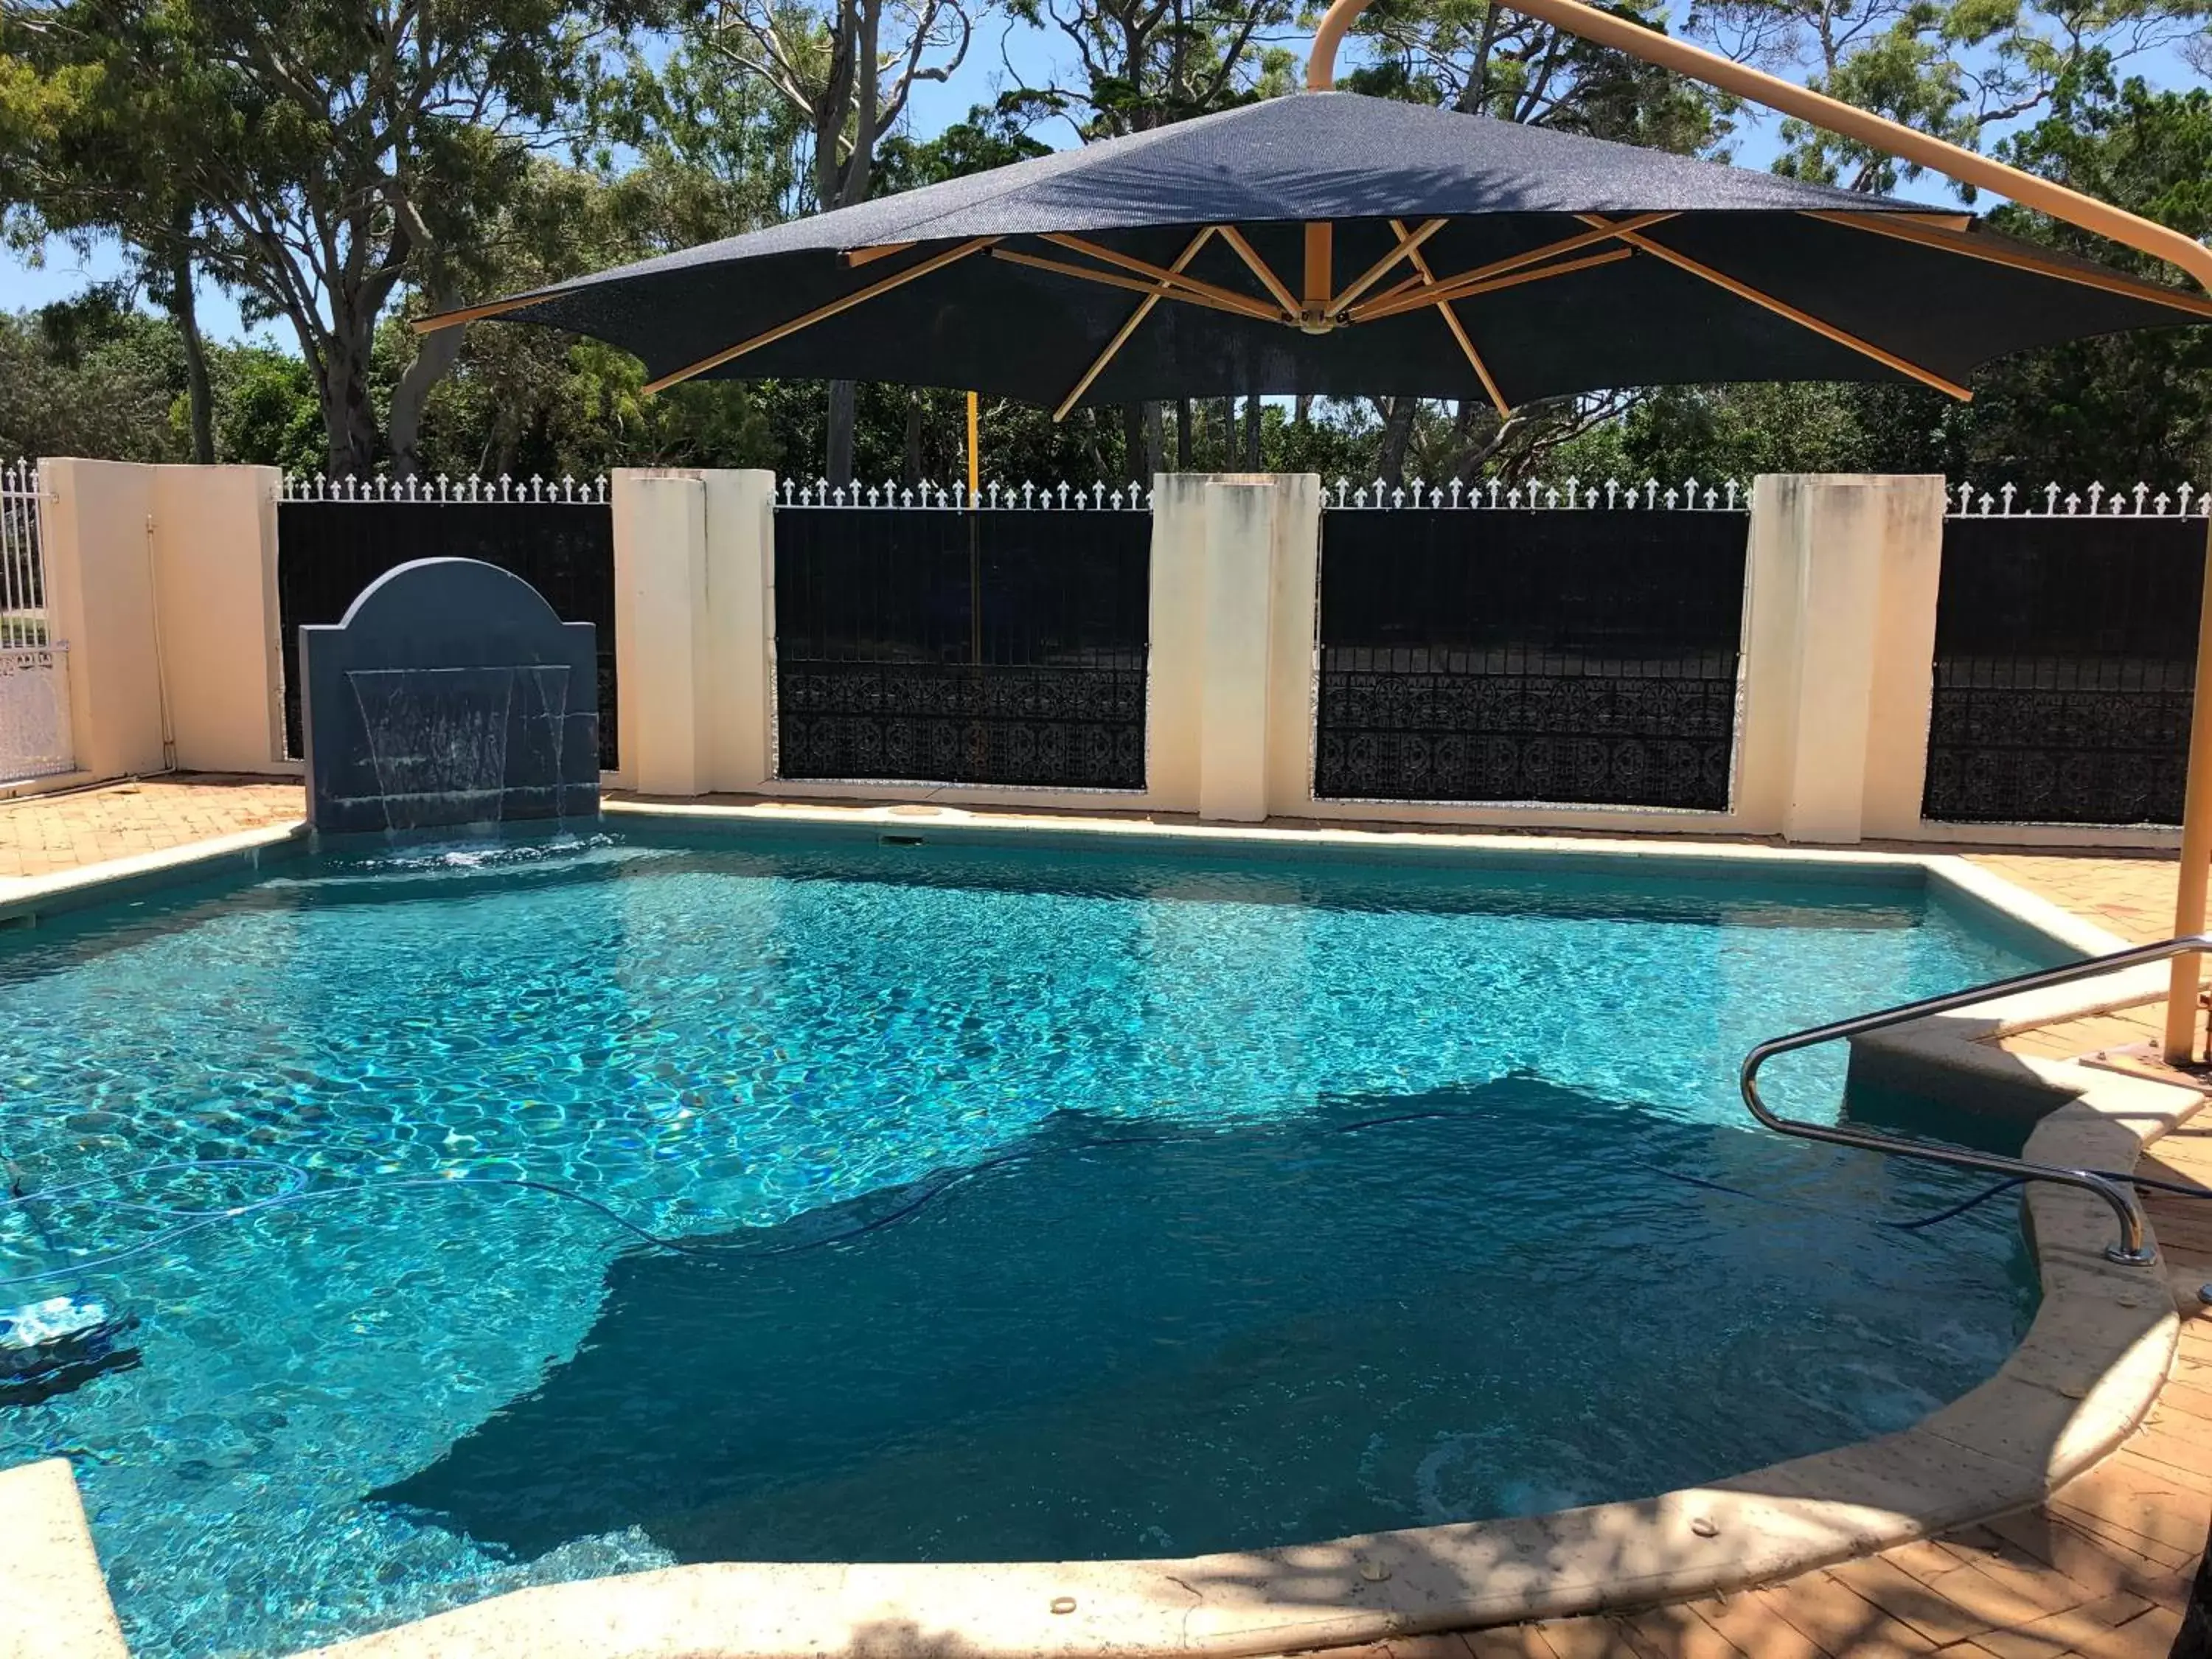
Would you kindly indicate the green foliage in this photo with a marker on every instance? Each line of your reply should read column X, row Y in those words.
column 2135, row 406
column 1145, row 63
column 1485, row 59
column 993, row 135
column 317, row 156
column 1957, row 68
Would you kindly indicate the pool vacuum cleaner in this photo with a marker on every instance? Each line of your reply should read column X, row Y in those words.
column 48, row 1347
column 51, row 1345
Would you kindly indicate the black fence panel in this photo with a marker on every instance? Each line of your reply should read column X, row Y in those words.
column 2065, row 669
column 1583, row 656
column 1004, row 646
column 328, row 551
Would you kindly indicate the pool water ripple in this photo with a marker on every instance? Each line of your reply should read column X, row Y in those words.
column 1257, row 1322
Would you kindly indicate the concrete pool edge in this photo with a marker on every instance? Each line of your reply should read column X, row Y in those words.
column 24, row 899
column 2081, row 1381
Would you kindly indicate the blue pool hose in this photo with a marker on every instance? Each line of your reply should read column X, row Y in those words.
column 296, row 1190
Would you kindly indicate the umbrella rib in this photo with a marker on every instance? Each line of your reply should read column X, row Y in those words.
column 864, row 256
column 1424, row 273
column 431, row 324
column 1258, row 267
column 781, row 330
column 1235, row 304
column 1909, row 229
column 1128, row 328
column 1401, row 298
column 1160, row 273
column 1408, row 244
column 1467, row 287
column 1744, row 290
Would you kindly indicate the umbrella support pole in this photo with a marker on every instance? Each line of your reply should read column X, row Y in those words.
column 1320, row 271
column 2181, row 993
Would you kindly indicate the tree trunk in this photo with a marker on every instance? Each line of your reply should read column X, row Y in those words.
column 348, row 417
column 434, row 354
column 183, row 306
column 1182, row 434
column 837, row 463
column 1304, row 414
column 1133, row 457
column 1156, row 439
column 912, row 438
column 1253, row 461
column 1228, row 435
column 1397, row 432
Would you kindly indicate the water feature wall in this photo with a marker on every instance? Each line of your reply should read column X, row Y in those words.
column 450, row 694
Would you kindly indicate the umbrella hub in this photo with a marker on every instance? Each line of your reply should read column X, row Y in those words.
column 1315, row 319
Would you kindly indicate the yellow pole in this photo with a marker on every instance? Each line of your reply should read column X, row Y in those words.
column 1817, row 109
column 975, row 455
column 2195, row 840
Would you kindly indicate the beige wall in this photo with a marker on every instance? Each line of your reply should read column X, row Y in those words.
column 740, row 627
column 1177, row 654
column 163, row 581
column 1843, row 633
column 660, row 608
column 214, row 580
column 100, row 600
column 1233, row 694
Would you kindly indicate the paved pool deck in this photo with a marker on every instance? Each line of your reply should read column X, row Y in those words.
column 2101, row 1569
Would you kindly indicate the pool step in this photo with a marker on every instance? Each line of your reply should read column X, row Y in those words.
column 50, row 1579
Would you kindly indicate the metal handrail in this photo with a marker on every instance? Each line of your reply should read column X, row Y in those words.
column 2132, row 1249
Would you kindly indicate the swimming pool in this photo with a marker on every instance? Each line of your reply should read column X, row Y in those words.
column 1075, row 1204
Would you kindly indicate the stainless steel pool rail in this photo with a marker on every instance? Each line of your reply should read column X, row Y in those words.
column 2133, row 1250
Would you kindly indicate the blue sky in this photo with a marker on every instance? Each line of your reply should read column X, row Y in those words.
column 1004, row 54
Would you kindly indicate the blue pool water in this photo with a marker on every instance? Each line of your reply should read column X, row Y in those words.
column 1060, row 1204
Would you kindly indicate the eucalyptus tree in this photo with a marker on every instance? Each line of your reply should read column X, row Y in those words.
column 846, row 70
column 318, row 158
column 1971, row 71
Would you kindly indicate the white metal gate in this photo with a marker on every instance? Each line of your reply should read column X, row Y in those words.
column 35, row 705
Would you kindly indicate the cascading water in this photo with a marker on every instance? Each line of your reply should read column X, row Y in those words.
column 441, row 739
column 450, row 695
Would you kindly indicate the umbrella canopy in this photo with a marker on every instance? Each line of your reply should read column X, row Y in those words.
column 1334, row 243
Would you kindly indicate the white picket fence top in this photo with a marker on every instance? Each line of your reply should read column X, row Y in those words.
column 1062, row 497
column 445, row 491
column 1571, row 494
column 2186, row 501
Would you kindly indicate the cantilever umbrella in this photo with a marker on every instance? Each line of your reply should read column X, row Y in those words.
column 1330, row 243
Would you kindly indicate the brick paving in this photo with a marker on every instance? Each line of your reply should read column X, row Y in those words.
column 2101, row 1570
column 44, row 834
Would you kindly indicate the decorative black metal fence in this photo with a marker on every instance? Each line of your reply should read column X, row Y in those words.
column 927, row 644
column 1580, row 654
column 2065, row 666
column 329, row 548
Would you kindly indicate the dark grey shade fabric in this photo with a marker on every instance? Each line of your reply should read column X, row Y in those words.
column 985, row 323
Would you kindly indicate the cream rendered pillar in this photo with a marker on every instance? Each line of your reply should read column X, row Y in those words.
column 1294, row 654
column 215, row 583
column 99, row 549
column 737, row 708
column 1234, row 695
column 1175, row 663
column 1840, row 648
column 660, row 636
